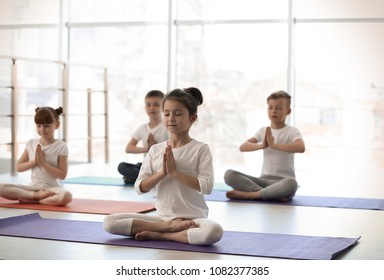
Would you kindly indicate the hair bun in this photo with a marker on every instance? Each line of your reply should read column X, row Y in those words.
column 196, row 93
column 59, row 111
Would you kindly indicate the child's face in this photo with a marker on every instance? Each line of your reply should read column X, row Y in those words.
column 278, row 110
column 176, row 117
column 47, row 131
column 153, row 106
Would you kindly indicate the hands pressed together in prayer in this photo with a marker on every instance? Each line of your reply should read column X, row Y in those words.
column 268, row 140
column 39, row 156
column 169, row 163
column 151, row 140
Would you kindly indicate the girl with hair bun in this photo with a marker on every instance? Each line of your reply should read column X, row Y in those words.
column 47, row 158
column 181, row 171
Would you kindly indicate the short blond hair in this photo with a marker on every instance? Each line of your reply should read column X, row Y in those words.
column 280, row 94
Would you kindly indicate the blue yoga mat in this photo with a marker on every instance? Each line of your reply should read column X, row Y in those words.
column 233, row 242
column 315, row 201
column 96, row 180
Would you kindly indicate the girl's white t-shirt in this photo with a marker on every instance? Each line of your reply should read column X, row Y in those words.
column 52, row 152
column 174, row 199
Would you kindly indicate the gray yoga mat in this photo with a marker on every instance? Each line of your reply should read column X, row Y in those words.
column 233, row 242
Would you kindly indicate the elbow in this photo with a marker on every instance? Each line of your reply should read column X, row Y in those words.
column 21, row 167
column 302, row 149
column 141, row 186
column 242, row 148
column 62, row 177
column 205, row 185
column 128, row 149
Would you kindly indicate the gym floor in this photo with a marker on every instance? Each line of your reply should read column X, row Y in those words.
column 299, row 220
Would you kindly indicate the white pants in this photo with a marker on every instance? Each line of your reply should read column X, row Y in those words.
column 18, row 192
column 207, row 231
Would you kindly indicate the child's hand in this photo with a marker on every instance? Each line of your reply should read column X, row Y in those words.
column 39, row 157
column 265, row 141
column 164, row 169
column 151, row 140
column 269, row 137
column 170, row 163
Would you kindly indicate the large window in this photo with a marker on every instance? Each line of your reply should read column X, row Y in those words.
column 327, row 53
column 235, row 66
column 27, row 30
column 339, row 93
column 131, row 38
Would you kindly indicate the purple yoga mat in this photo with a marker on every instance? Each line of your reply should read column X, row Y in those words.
column 234, row 243
column 315, row 201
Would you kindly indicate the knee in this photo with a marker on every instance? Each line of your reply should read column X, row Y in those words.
column 228, row 176
column 66, row 199
column 121, row 168
column 3, row 187
column 115, row 225
column 291, row 184
column 214, row 234
column 108, row 224
column 207, row 234
column 291, row 187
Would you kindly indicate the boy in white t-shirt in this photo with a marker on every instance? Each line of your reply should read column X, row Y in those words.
column 279, row 142
column 148, row 133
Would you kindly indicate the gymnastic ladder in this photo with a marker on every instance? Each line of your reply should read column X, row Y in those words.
column 64, row 88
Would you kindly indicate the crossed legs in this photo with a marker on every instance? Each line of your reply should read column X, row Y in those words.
column 144, row 227
column 255, row 188
column 27, row 194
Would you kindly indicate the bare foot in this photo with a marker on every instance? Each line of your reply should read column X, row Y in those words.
column 148, row 235
column 28, row 201
column 41, row 194
column 180, row 224
column 235, row 194
column 180, row 236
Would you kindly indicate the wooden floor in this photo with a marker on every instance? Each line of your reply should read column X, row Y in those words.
column 314, row 221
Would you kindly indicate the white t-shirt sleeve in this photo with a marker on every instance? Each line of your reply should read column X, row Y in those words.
column 147, row 169
column 205, row 170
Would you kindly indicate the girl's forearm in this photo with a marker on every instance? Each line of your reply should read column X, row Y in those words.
column 24, row 166
column 190, row 181
column 149, row 183
column 54, row 171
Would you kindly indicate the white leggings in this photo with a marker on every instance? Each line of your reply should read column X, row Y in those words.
column 61, row 196
column 207, row 231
